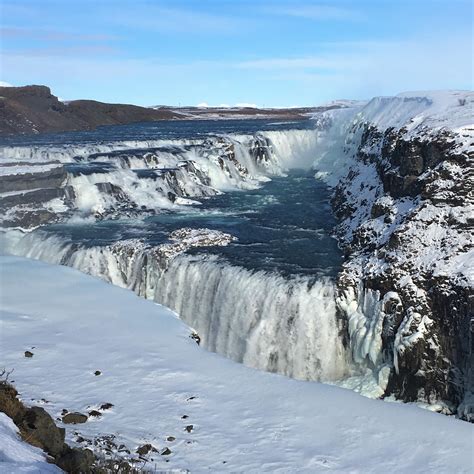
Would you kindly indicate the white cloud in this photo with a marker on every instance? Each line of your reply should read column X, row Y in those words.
column 203, row 105
column 319, row 12
column 5, row 84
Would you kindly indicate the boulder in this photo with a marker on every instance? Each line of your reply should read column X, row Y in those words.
column 76, row 460
column 74, row 418
column 39, row 429
column 9, row 404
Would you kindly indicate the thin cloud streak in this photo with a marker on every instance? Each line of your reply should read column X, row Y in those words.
column 319, row 13
column 179, row 20
column 51, row 35
column 64, row 51
column 309, row 62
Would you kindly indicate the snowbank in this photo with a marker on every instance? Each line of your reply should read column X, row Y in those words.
column 16, row 455
column 238, row 419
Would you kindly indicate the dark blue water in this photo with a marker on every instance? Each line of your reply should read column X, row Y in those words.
column 166, row 129
column 285, row 227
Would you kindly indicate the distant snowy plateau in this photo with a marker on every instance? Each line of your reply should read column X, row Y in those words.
column 395, row 324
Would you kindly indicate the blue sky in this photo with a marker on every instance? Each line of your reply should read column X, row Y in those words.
column 269, row 53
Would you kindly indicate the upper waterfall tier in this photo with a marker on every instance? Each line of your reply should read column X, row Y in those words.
column 110, row 179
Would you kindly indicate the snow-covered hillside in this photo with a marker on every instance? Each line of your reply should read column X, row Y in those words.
column 211, row 413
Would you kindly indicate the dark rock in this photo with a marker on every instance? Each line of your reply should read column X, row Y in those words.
column 28, row 354
column 189, row 428
column 39, row 429
column 196, row 337
column 166, row 452
column 76, row 460
column 145, row 449
column 106, row 406
column 9, row 404
column 97, row 372
column 74, row 418
column 170, row 439
column 95, row 414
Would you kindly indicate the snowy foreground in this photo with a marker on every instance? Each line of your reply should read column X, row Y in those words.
column 17, row 456
column 238, row 419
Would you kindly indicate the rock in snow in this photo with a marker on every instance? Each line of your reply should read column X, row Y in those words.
column 18, row 456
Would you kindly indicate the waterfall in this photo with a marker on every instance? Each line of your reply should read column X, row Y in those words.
column 287, row 325
column 263, row 320
column 266, row 321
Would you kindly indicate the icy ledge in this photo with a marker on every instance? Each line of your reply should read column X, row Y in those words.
column 240, row 420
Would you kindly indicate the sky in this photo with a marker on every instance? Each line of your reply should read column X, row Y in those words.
column 270, row 53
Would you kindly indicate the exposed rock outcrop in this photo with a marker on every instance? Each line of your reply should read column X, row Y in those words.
column 406, row 291
column 38, row 428
column 33, row 194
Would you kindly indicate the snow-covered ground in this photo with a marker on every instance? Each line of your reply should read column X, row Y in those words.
column 237, row 419
column 17, row 456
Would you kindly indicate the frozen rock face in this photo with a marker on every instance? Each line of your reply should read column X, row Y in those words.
column 406, row 222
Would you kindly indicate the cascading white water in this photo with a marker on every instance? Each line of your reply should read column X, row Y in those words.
column 268, row 322
column 262, row 320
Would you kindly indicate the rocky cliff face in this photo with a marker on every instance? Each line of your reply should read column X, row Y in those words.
column 406, row 290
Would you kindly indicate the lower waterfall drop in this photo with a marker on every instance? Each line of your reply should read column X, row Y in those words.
column 268, row 322
column 286, row 325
